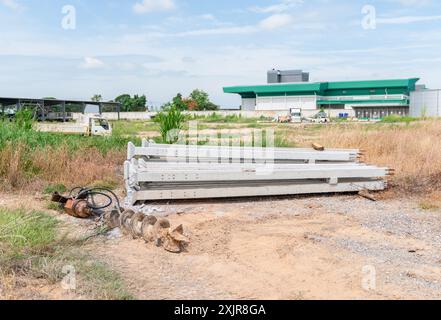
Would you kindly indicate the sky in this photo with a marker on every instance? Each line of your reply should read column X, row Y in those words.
column 75, row 49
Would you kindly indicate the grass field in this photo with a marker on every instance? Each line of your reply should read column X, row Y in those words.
column 35, row 161
column 31, row 160
column 31, row 249
column 34, row 250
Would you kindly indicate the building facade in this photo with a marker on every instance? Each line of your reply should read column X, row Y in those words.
column 287, row 76
column 425, row 103
column 373, row 99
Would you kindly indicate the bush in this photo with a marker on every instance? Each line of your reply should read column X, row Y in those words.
column 32, row 160
column 30, row 247
column 397, row 119
column 21, row 230
column 50, row 189
column 170, row 123
column 24, row 119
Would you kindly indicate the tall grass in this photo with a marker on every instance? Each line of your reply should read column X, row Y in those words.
column 399, row 119
column 171, row 122
column 20, row 230
column 413, row 150
column 31, row 248
column 31, row 160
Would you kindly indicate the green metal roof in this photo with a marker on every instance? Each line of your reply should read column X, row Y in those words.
column 328, row 102
column 320, row 88
column 271, row 88
column 372, row 84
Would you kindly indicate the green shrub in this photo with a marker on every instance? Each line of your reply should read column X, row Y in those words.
column 398, row 119
column 13, row 132
column 60, row 188
column 29, row 245
column 21, row 230
column 170, row 123
column 24, row 119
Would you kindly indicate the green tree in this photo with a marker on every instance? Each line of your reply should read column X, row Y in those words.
column 129, row 104
column 179, row 102
column 202, row 100
column 97, row 98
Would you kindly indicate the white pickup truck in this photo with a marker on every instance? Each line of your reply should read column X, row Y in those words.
column 86, row 125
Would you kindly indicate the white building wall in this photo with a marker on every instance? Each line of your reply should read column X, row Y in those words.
column 248, row 104
column 425, row 103
column 285, row 103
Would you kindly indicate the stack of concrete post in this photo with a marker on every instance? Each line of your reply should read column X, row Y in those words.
column 176, row 172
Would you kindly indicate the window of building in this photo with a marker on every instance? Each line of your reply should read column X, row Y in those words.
column 333, row 106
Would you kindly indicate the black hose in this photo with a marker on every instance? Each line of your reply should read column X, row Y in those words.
column 89, row 195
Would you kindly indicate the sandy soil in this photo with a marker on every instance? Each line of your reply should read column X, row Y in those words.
column 296, row 248
column 284, row 248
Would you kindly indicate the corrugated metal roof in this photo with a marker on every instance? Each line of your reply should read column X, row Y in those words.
column 329, row 102
column 283, row 87
column 397, row 83
column 320, row 87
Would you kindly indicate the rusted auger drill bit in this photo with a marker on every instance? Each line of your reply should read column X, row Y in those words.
column 150, row 229
column 137, row 225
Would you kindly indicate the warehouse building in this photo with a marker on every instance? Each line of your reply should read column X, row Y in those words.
column 54, row 109
column 372, row 99
column 425, row 103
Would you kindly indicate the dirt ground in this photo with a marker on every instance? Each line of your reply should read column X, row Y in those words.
column 331, row 247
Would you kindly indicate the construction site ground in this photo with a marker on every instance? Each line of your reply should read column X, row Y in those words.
column 309, row 247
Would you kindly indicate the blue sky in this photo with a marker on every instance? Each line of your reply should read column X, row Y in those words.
column 161, row 47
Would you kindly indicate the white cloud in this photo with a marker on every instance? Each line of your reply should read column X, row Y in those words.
column 407, row 19
column 146, row 6
column 12, row 4
column 276, row 21
column 273, row 22
column 270, row 23
column 92, row 63
column 410, row 3
column 284, row 6
column 219, row 31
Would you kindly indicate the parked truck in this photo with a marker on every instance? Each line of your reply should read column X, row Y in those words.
column 86, row 125
column 296, row 115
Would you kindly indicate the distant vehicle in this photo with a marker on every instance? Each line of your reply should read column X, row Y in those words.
column 8, row 113
column 38, row 115
column 296, row 115
column 321, row 117
column 87, row 125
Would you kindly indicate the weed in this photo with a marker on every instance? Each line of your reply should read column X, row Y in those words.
column 429, row 205
column 52, row 188
column 107, row 183
column 398, row 119
column 26, row 230
column 53, row 206
column 31, row 248
column 100, row 282
column 170, row 123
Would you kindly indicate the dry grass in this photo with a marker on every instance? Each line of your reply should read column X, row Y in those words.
column 431, row 202
column 413, row 150
column 24, row 169
column 33, row 253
